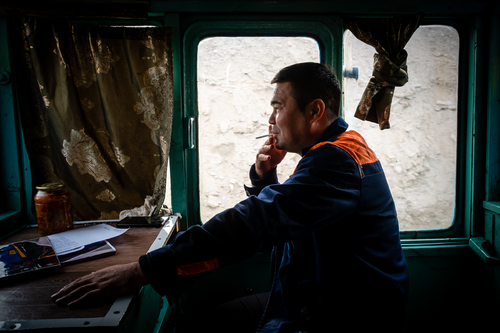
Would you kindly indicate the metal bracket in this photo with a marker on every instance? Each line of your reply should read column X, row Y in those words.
column 478, row 244
column 4, row 77
column 352, row 73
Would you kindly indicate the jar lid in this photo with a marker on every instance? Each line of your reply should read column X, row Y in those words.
column 51, row 186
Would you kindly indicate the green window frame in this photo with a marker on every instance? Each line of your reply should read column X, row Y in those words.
column 326, row 32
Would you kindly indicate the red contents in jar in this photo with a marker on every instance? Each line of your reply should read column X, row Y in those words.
column 53, row 209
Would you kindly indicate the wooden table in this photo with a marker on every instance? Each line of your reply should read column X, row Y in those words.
column 25, row 302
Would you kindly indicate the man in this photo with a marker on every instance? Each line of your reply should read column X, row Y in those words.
column 337, row 254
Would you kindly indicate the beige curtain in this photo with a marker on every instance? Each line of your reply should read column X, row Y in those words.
column 96, row 108
column 388, row 37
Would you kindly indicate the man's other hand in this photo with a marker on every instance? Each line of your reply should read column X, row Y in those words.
column 108, row 282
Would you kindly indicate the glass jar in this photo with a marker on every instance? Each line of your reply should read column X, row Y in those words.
column 53, row 208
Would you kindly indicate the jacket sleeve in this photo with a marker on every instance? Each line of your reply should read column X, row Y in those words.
column 259, row 184
column 323, row 190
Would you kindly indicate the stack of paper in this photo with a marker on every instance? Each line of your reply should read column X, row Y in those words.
column 73, row 240
column 83, row 243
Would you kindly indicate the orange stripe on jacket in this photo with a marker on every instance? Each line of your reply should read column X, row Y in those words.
column 354, row 144
column 198, row 267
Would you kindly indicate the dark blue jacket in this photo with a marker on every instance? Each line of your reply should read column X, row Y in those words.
column 337, row 253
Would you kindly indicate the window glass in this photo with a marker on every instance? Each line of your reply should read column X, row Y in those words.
column 418, row 152
column 234, row 92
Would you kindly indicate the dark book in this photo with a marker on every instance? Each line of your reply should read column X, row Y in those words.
column 90, row 251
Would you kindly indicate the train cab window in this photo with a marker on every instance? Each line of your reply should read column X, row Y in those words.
column 234, row 90
column 418, row 152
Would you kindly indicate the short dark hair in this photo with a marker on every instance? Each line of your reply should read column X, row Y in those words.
column 309, row 81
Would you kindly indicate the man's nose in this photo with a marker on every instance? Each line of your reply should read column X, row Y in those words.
column 272, row 119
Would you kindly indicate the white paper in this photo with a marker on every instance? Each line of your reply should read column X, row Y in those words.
column 72, row 240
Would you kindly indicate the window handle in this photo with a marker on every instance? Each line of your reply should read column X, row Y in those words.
column 191, row 133
column 478, row 244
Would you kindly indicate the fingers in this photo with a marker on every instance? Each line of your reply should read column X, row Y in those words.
column 263, row 157
column 75, row 292
column 265, row 152
column 86, row 298
column 107, row 282
column 79, row 296
column 66, row 290
column 268, row 157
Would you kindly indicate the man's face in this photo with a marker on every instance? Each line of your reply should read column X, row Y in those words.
column 289, row 124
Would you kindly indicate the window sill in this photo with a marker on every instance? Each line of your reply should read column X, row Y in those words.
column 9, row 215
column 436, row 247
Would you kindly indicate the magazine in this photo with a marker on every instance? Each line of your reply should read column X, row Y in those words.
column 27, row 256
column 38, row 253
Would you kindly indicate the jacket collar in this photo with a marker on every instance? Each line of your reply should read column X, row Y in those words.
column 336, row 128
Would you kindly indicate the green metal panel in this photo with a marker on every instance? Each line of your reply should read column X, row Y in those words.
column 11, row 181
column 144, row 312
column 13, row 196
column 489, row 251
column 492, row 205
column 178, row 175
column 476, row 129
column 493, row 108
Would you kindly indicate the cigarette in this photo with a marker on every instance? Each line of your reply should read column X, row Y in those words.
column 263, row 136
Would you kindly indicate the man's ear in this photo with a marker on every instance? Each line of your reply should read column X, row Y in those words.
column 318, row 120
column 316, row 110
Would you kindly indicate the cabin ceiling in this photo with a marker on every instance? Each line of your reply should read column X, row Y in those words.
column 139, row 9
column 368, row 7
column 78, row 8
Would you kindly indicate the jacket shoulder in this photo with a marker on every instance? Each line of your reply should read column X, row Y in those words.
column 355, row 145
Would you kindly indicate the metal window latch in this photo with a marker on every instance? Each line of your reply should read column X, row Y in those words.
column 478, row 245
